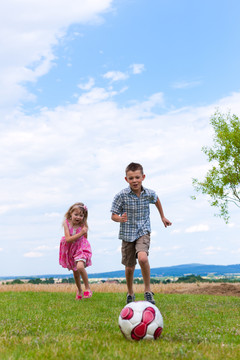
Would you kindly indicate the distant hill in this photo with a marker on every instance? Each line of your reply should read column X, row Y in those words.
column 178, row 270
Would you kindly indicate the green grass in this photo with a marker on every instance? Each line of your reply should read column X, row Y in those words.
column 40, row 325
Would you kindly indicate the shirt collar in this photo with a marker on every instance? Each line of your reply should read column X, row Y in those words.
column 130, row 190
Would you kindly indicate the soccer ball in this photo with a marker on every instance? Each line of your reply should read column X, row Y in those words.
column 140, row 320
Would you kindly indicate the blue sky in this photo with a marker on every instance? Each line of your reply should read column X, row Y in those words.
column 89, row 86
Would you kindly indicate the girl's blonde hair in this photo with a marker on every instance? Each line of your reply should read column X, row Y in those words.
column 80, row 206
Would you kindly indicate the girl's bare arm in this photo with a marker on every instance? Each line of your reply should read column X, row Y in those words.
column 73, row 238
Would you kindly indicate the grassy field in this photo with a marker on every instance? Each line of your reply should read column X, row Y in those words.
column 52, row 325
column 227, row 289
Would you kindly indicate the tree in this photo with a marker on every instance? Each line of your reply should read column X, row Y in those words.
column 222, row 181
column 35, row 281
column 17, row 281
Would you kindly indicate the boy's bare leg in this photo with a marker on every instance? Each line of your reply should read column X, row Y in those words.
column 129, row 272
column 145, row 268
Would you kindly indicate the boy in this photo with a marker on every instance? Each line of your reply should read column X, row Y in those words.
column 130, row 207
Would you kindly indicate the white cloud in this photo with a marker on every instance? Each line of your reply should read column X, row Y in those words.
column 1, row 249
column 95, row 95
column 176, row 231
column 211, row 250
column 106, row 251
column 53, row 215
column 155, row 249
column 115, row 76
column 186, row 84
column 46, row 248
column 88, row 85
column 38, row 162
column 43, row 247
column 154, row 100
column 168, row 249
column 176, row 247
column 197, row 228
column 4, row 209
column 137, row 68
column 29, row 30
column 33, row 254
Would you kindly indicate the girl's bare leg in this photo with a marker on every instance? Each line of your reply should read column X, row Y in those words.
column 77, row 279
column 83, row 273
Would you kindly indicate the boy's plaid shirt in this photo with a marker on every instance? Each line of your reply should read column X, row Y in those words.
column 138, row 212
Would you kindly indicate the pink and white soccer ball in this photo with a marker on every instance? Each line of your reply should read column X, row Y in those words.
column 140, row 320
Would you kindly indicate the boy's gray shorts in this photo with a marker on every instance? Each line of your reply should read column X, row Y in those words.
column 131, row 249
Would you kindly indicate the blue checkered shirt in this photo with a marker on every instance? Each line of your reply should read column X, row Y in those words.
column 138, row 212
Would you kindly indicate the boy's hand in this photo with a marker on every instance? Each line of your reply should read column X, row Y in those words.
column 166, row 222
column 124, row 217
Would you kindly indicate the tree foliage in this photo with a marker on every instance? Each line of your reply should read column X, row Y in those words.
column 222, row 181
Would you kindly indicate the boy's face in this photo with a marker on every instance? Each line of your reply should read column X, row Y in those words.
column 135, row 179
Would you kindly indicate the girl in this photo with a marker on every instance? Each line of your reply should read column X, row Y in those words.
column 75, row 251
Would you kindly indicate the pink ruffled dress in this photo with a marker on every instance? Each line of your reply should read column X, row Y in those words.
column 71, row 252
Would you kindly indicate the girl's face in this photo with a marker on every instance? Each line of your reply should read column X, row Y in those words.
column 77, row 217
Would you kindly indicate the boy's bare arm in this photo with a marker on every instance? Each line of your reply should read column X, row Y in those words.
column 119, row 218
column 165, row 221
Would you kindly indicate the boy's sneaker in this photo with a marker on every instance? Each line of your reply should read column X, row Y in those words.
column 130, row 298
column 148, row 296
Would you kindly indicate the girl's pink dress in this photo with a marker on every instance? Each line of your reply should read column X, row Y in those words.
column 70, row 252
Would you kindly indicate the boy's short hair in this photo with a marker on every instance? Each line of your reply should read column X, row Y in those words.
column 134, row 167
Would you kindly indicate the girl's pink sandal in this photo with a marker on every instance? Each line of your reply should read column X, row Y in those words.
column 87, row 294
column 78, row 297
